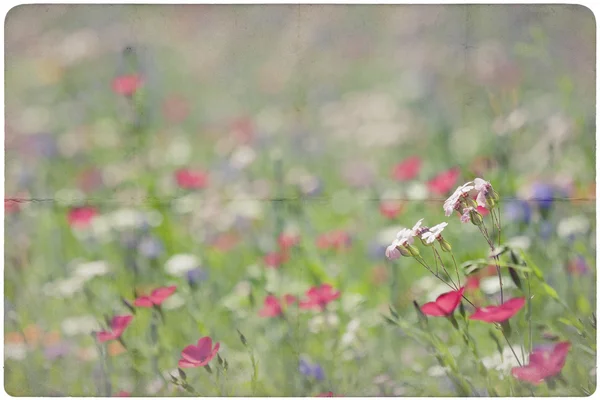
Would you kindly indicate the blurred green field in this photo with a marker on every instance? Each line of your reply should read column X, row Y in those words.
column 259, row 154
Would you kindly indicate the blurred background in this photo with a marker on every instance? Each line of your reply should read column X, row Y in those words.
column 138, row 135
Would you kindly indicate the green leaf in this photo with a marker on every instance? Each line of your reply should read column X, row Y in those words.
column 551, row 292
column 536, row 270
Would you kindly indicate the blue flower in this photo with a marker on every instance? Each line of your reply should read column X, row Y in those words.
column 543, row 195
column 518, row 211
column 150, row 247
column 196, row 275
column 311, row 370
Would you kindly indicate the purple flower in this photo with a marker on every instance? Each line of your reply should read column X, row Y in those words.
column 58, row 350
column 150, row 247
column 543, row 195
column 311, row 370
column 518, row 211
column 196, row 275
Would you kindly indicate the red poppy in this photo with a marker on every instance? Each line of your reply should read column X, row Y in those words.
column 275, row 259
column 81, row 216
column 407, row 169
column 272, row 306
column 11, row 206
column 127, row 85
column 444, row 182
column 189, row 179
column 444, row 305
column 156, row 298
column 499, row 313
column 333, row 240
column 544, row 362
column 200, row 355
column 319, row 297
column 288, row 240
column 117, row 325
column 390, row 209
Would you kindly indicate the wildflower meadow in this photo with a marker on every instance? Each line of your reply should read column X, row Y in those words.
column 300, row 201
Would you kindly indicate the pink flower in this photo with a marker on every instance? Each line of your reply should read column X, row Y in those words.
column 466, row 215
column 188, row 179
column 81, row 216
column 499, row 313
column 288, row 240
column 444, row 182
column 275, row 259
column 333, row 240
column 392, row 252
column 390, row 209
column 117, row 325
column 11, row 206
column 454, row 202
column 327, row 394
column 483, row 211
column 272, row 306
column 544, row 363
column 127, row 85
column 319, row 297
column 156, row 298
column 200, row 355
column 407, row 169
column 444, row 305
column 482, row 187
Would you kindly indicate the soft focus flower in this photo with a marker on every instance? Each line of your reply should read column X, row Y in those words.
column 272, row 306
column 127, row 85
column 518, row 211
column 455, row 200
column 275, row 259
column 407, row 169
column 175, row 108
column 311, row 370
column 433, row 233
column 502, row 363
column 337, row 240
column 91, row 269
column 499, row 313
column 11, row 206
column 578, row 266
column 319, row 297
column 444, row 305
column 57, row 350
column 322, row 322
column 81, row 217
column 79, row 325
column 117, row 325
column 150, row 247
column 390, row 208
column 156, row 298
column 444, row 182
column 288, row 240
column 64, row 288
column 571, row 226
column 196, row 275
column 543, row 195
column 199, row 355
column 544, row 362
column 189, row 179
column 180, row 264
column 123, row 393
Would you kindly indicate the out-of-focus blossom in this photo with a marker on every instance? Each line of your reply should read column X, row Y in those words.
column 117, row 326
column 407, row 169
column 81, row 217
column 490, row 285
column 358, row 174
column 390, row 209
column 156, row 298
column 196, row 275
column 517, row 211
column 543, row 195
column 64, row 288
column 150, row 247
column 273, row 307
column 578, row 266
column 275, row 259
column 242, row 157
column 89, row 270
column 323, row 322
column 127, row 85
column 11, row 206
column 545, row 362
column 57, row 350
column 319, row 296
column 337, row 240
column 180, row 264
column 442, row 183
column 199, row 355
column 288, row 240
column 499, row 313
column 190, row 179
column 311, row 370
column 79, row 325
column 571, row 226
column 502, row 363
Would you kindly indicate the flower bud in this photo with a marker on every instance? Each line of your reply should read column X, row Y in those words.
column 476, row 218
column 414, row 252
column 445, row 245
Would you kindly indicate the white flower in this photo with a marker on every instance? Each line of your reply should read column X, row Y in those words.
column 466, row 215
column 173, row 302
column 392, row 252
column 417, row 226
column 180, row 264
column 89, row 270
column 483, row 187
column 452, row 202
column 572, row 226
column 404, row 237
column 519, row 242
column 79, row 325
column 64, row 288
column 434, row 232
column 321, row 322
column 16, row 351
column 417, row 191
column 501, row 363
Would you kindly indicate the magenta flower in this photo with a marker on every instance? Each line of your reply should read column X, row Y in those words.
column 544, row 363
column 444, row 305
column 319, row 297
column 156, row 298
column 117, row 325
column 200, row 355
column 272, row 306
column 499, row 313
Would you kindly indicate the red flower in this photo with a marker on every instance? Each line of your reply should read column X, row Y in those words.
column 407, row 169
column 81, row 216
column 472, row 283
column 390, row 209
column 544, row 363
column 444, row 305
column 319, row 297
column 333, row 240
column 483, row 211
column 117, row 325
column 288, row 240
column 275, row 259
column 189, row 179
column 444, row 182
column 11, row 206
column 499, row 313
column 156, row 298
column 272, row 306
column 200, row 355
column 126, row 85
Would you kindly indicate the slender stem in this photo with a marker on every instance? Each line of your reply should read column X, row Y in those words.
column 436, row 254
column 529, row 310
column 511, row 349
column 456, row 267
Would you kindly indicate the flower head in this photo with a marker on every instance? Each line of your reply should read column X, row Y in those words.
column 433, row 233
column 442, row 183
column 311, row 370
column 156, row 298
column 199, row 355
column 272, row 306
column 444, row 305
column 275, row 259
column 319, row 297
column 499, row 313
column 117, row 325
column 456, row 199
column 127, row 85
column 392, row 252
column 407, row 169
column 81, row 216
column 544, row 362
column 189, row 179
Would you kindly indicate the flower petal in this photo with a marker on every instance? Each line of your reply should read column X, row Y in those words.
column 528, row 373
column 433, row 310
column 105, row 336
column 143, row 301
column 159, row 295
column 186, row 364
column 120, row 322
column 449, row 301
